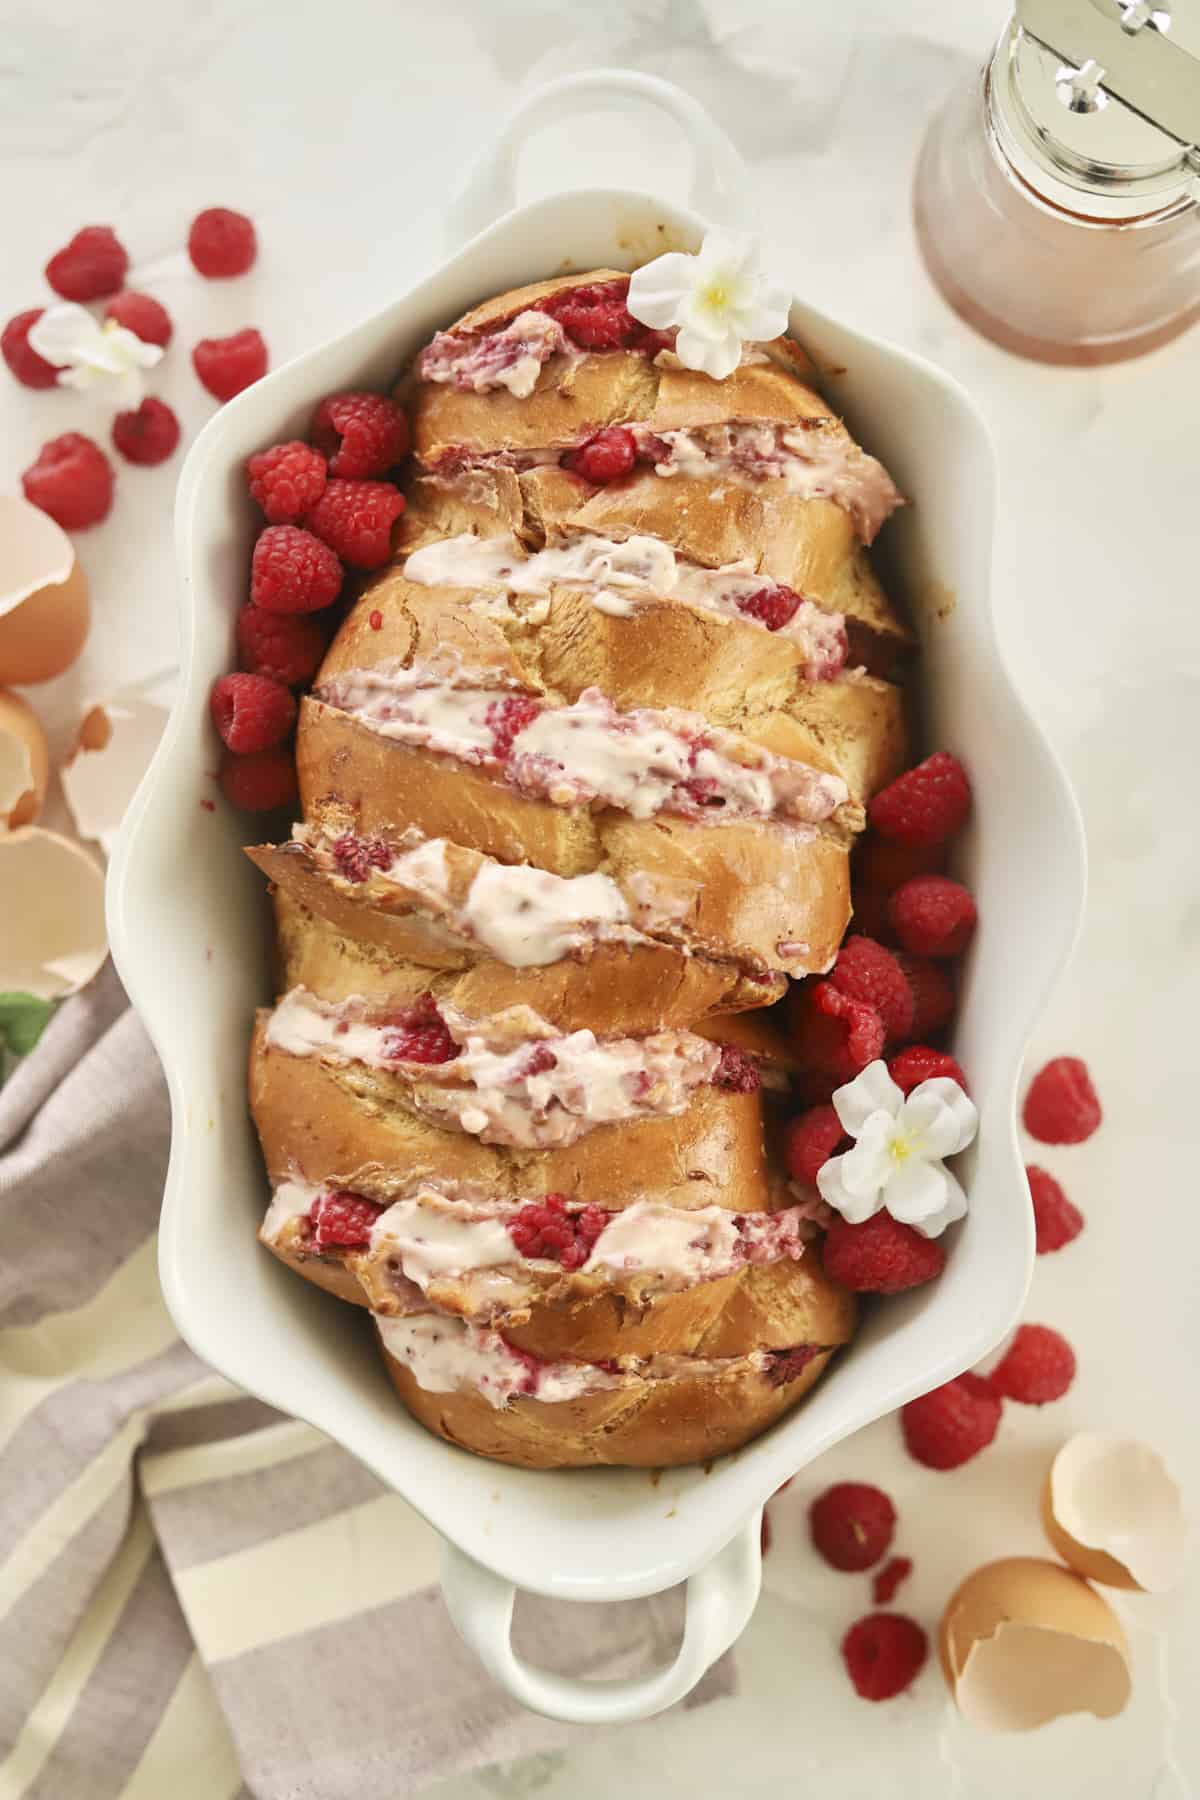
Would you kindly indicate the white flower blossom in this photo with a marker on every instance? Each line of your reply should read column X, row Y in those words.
column 88, row 353
column 719, row 299
column 896, row 1161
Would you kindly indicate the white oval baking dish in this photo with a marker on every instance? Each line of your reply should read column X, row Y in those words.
column 188, row 927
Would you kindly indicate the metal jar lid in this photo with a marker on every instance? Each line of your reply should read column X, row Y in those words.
column 1096, row 103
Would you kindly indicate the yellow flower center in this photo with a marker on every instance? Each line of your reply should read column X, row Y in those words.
column 900, row 1149
column 715, row 296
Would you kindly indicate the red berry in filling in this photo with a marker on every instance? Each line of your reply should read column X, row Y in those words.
column 72, row 480
column 919, row 1063
column 884, row 1653
column 146, row 317
column 292, row 571
column 227, row 365
column 147, row 435
column 1061, row 1106
column 222, row 243
column 259, row 782
column 1037, row 1367
column 30, row 369
column 287, row 646
column 896, row 1570
column 851, row 1524
column 594, row 315
column 605, row 457
column 355, row 518
column 774, row 607
column 251, row 712
column 92, row 264
column 1055, row 1219
column 421, row 1036
column 924, row 806
column 880, row 1256
column 737, row 1071
column 785, row 1365
column 355, row 857
column 947, row 1427
column 286, row 480
column 342, row 1221
column 375, row 620
column 868, row 972
column 361, row 434
column 540, row 1059
column 810, row 1141
column 933, row 916
column 547, row 1229
column 508, row 718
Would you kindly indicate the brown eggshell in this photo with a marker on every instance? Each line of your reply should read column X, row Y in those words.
column 1111, row 1509
column 1024, row 1641
column 44, row 609
column 24, row 762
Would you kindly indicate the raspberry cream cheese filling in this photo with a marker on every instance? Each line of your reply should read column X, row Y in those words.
column 446, row 1355
column 619, row 576
column 512, row 358
column 510, row 1081
column 645, row 761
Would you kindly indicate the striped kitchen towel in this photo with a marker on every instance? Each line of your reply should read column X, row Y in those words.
column 199, row 1597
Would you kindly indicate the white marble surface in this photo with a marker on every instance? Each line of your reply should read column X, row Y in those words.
column 342, row 139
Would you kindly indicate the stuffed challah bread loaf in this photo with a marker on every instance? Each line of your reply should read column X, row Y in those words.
column 580, row 776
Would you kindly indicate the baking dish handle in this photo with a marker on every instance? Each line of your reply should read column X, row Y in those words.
column 720, row 1599
column 719, row 187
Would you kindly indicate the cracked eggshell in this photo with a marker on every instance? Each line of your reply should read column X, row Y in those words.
column 44, row 609
column 1024, row 1641
column 24, row 763
column 52, row 933
column 1112, row 1510
column 112, row 751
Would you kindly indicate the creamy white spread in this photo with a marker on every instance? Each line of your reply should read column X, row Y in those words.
column 816, row 460
column 549, row 1090
column 512, row 358
column 644, row 761
column 619, row 575
column 291, row 1200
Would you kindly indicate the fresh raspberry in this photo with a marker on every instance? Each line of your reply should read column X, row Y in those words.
column 72, row 480
column 835, row 1034
column 605, row 457
column 884, row 1653
column 508, row 718
column 355, row 518
column 932, row 992
column 1061, row 1106
column 286, row 646
column 222, row 243
column 933, row 916
column 292, row 571
column 885, row 867
column 342, row 1221
column 947, row 1427
column 1037, row 1367
column 251, row 712
column 868, row 972
column 851, row 1525
column 355, row 857
column 146, row 317
column 880, row 1256
column 92, row 264
column 421, row 1035
column 869, row 910
column 286, row 480
column 545, row 1228
column 147, row 435
column 258, row 783
column 810, row 1141
column 894, row 1572
column 594, row 316
column 1055, row 1219
column 361, row 434
column 924, row 806
column 919, row 1063
column 737, row 1071
column 30, row 369
column 773, row 607
column 227, row 365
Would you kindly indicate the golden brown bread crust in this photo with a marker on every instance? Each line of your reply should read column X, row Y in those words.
column 337, row 1127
